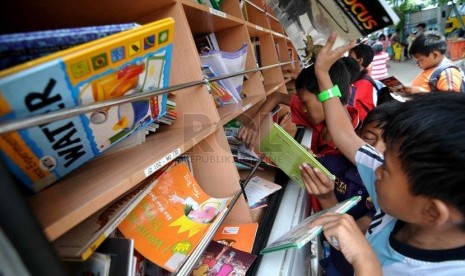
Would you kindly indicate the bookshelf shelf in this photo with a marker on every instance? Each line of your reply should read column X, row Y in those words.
column 231, row 111
column 274, row 87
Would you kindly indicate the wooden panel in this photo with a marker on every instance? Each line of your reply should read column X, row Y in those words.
column 81, row 193
column 231, row 111
column 274, row 24
column 231, row 7
column 256, row 16
column 275, row 87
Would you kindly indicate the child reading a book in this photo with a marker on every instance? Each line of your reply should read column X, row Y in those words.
column 417, row 186
column 429, row 51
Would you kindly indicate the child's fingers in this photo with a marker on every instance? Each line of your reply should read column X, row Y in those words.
column 324, row 219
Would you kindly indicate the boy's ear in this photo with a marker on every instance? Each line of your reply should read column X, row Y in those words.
column 436, row 212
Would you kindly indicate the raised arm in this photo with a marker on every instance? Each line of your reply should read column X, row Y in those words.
column 339, row 126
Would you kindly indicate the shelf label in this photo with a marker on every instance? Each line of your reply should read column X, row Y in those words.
column 217, row 12
column 249, row 105
column 160, row 163
column 259, row 28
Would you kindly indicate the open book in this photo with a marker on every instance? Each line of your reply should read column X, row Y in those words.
column 288, row 155
column 301, row 234
column 309, row 22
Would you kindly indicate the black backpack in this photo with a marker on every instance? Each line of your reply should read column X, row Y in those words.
column 433, row 81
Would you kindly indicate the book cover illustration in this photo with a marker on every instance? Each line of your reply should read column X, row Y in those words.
column 172, row 219
column 221, row 260
column 311, row 21
column 288, row 155
column 300, row 234
column 130, row 62
column 238, row 236
column 394, row 84
column 21, row 47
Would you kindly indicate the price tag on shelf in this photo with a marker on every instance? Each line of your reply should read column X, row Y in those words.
column 217, row 12
column 163, row 161
column 259, row 28
column 246, row 107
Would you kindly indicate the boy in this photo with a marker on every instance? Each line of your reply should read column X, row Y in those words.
column 429, row 50
column 418, row 183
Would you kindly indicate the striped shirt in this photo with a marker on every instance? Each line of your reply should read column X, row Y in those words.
column 398, row 258
column 379, row 66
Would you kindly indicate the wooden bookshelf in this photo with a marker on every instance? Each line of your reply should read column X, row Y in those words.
column 198, row 131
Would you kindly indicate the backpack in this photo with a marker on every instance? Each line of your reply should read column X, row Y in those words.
column 433, row 80
column 379, row 86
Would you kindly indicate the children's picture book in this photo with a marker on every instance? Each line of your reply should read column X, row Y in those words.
column 301, row 234
column 80, row 242
column 288, row 154
column 172, row 219
column 394, row 84
column 219, row 259
column 218, row 89
column 238, row 236
column 126, row 63
column 259, row 188
column 309, row 22
column 21, row 47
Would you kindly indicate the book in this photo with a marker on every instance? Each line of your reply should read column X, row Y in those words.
column 238, row 236
column 121, row 252
column 172, row 219
column 129, row 62
column 97, row 265
column 300, row 234
column 394, row 84
column 309, row 22
column 218, row 89
column 79, row 243
column 259, row 188
column 288, row 155
column 21, row 47
column 260, row 204
column 220, row 259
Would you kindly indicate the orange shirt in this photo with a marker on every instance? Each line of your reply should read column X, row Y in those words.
column 450, row 79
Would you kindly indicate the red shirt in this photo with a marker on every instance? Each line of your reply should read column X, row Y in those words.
column 319, row 143
column 364, row 98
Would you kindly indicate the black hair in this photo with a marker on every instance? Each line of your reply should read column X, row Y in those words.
column 338, row 73
column 425, row 44
column 382, row 36
column 377, row 48
column 381, row 114
column 428, row 133
column 365, row 52
column 423, row 25
column 352, row 67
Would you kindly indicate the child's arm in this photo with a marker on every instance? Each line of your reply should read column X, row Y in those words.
column 249, row 132
column 319, row 185
column 339, row 126
column 342, row 233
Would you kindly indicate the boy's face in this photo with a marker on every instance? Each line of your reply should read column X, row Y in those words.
column 426, row 62
column 392, row 190
column 311, row 106
column 371, row 134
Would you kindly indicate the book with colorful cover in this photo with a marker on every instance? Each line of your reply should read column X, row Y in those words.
column 301, row 234
column 129, row 62
column 309, row 22
column 219, row 259
column 288, row 154
column 21, row 47
column 239, row 236
column 172, row 219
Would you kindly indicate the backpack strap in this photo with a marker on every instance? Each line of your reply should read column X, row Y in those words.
column 353, row 91
column 434, row 78
column 370, row 79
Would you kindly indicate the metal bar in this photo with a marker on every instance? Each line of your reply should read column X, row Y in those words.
column 17, row 124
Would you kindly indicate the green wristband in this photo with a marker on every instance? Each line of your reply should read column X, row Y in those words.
column 330, row 93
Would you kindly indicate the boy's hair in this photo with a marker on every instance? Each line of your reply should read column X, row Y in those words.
column 428, row 134
column 353, row 67
column 425, row 44
column 364, row 52
column 377, row 48
column 423, row 25
column 381, row 114
column 338, row 73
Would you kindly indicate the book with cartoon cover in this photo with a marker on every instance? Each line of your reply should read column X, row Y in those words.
column 301, row 234
column 239, row 236
column 129, row 62
column 288, row 154
column 172, row 219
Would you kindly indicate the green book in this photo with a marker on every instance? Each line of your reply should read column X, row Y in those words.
column 300, row 234
column 288, row 154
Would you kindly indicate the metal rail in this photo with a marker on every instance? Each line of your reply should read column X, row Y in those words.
column 17, row 124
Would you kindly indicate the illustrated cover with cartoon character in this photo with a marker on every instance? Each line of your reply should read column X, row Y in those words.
column 126, row 63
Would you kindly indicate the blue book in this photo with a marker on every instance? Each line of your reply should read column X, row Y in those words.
column 21, row 47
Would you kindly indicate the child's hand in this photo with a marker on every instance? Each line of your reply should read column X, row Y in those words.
column 318, row 184
column 342, row 233
column 328, row 56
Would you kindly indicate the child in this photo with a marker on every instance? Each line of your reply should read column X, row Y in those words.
column 380, row 62
column 429, row 50
column 419, row 183
column 350, row 184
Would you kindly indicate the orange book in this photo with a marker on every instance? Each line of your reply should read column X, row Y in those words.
column 239, row 236
column 172, row 219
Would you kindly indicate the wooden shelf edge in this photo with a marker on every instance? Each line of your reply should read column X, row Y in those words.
column 206, row 9
column 79, row 199
column 271, row 88
column 229, row 112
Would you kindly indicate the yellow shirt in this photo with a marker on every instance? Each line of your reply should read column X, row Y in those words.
column 450, row 79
